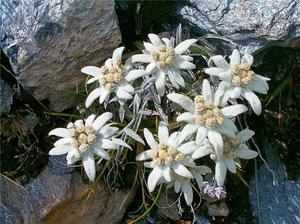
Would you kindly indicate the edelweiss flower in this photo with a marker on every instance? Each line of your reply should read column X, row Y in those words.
column 168, row 156
column 206, row 118
column 238, row 79
column 165, row 60
column 234, row 149
column 82, row 140
column 112, row 77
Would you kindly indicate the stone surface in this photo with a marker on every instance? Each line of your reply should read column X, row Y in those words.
column 277, row 204
column 52, row 198
column 250, row 24
column 48, row 42
column 6, row 97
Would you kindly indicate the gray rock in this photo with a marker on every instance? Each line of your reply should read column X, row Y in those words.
column 277, row 204
column 6, row 97
column 251, row 24
column 48, row 42
column 202, row 220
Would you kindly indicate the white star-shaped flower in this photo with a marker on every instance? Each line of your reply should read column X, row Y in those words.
column 168, row 156
column 234, row 149
column 165, row 60
column 113, row 77
column 238, row 79
column 206, row 118
column 82, row 140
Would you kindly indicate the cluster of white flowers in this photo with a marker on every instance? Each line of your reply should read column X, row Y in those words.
column 207, row 122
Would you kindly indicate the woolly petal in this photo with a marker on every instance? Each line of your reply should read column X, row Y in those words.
column 117, row 56
column 220, row 92
column 153, row 178
column 183, row 101
column 107, row 131
column 89, row 166
column 108, row 144
column 201, row 135
column 186, row 116
column 154, row 39
column 230, row 165
column 145, row 155
column 245, row 135
column 182, row 170
column 101, row 120
column 150, row 139
column 187, row 131
column 104, row 95
column 92, row 70
column 227, row 128
column 220, row 62
column 135, row 74
column 206, row 90
column 177, row 186
column 163, row 133
column 246, row 153
column 160, row 80
column 122, row 94
column 92, row 96
column 60, row 150
column 258, row 85
column 247, row 59
column 202, row 151
column 216, row 140
column 220, row 172
column 108, row 63
column 234, row 110
column 186, row 65
column 177, row 78
column 218, row 72
column 187, row 148
column 253, row 101
column 150, row 47
column 89, row 121
column 102, row 153
column 92, row 80
column 235, row 58
column 167, row 173
column 120, row 142
column 60, row 132
column 144, row 58
column 63, row 141
column 184, row 46
column 236, row 92
column 188, row 193
column 151, row 67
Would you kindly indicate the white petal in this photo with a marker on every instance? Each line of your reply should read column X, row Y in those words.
column 102, row 153
column 186, row 116
column 187, row 131
column 150, row 139
column 108, row 144
column 150, row 47
column 199, row 179
column 151, row 67
column 145, row 155
column 167, row 173
column 149, row 164
column 258, row 85
column 117, row 56
column 60, row 132
column 121, row 142
column 202, row 151
column 122, row 94
column 247, row 59
column 153, row 178
column 220, row 92
column 134, row 74
column 245, row 153
column 107, row 131
column 177, row 186
column 230, row 165
column 186, row 65
column 245, row 135
column 178, row 78
column 172, row 79
column 160, row 79
column 154, row 39
column 163, row 133
column 187, row 148
column 220, row 62
column 236, row 92
column 234, row 110
column 217, row 141
column 182, row 170
column 104, row 95
column 127, row 87
column 92, row 96
column 89, row 166
column 60, row 150
column 253, row 100
column 206, row 90
column 184, row 45
column 227, row 128
column 92, row 80
column 92, row 70
column 63, row 141
column 144, row 58
column 73, row 156
column 183, row 101
column 108, row 63
column 225, row 97
column 220, row 172
column 173, row 140
column 101, row 120
column 201, row 135
column 235, row 58
column 89, row 121
column 188, row 193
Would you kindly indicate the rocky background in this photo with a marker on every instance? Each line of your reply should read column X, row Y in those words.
column 44, row 44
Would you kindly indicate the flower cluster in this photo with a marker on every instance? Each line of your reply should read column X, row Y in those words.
column 205, row 126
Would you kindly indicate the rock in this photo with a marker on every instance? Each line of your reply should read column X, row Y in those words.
column 52, row 198
column 218, row 209
column 277, row 204
column 251, row 25
column 202, row 220
column 48, row 42
column 6, row 97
